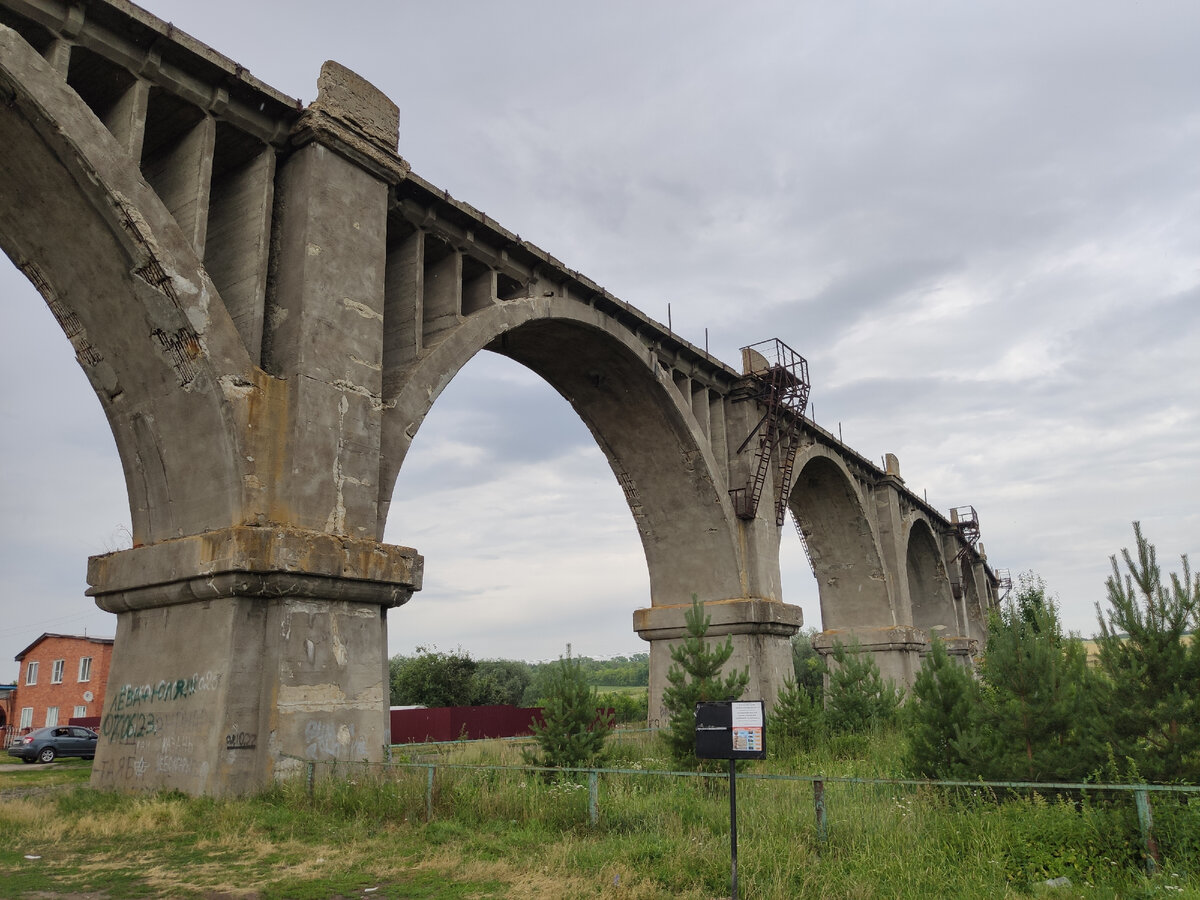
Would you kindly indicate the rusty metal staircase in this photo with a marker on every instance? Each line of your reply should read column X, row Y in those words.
column 779, row 379
column 804, row 544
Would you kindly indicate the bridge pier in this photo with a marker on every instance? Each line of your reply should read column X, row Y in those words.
column 243, row 654
column 267, row 302
column 897, row 650
column 760, row 631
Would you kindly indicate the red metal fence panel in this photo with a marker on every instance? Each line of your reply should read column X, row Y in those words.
column 451, row 723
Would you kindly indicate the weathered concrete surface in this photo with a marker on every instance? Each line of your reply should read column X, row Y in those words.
column 244, row 654
column 267, row 302
column 759, row 630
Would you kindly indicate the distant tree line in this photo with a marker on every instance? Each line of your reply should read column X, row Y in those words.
column 432, row 677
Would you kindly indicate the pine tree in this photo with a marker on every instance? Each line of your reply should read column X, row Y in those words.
column 797, row 720
column 1039, row 696
column 858, row 699
column 695, row 676
column 1154, row 670
column 941, row 718
column 807, row 665
column 571, row 735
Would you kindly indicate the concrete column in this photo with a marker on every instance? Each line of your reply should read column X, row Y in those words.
column 324, row 330
column 238, row 239
column 761, row 633
column 181, row 176
column 243, row 654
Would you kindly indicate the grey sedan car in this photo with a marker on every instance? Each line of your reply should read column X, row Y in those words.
column 45, row 744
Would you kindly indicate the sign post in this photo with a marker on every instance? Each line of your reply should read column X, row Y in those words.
column 732, row 730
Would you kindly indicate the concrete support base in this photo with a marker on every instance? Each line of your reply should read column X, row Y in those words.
column 897, row 650
column 760, row 631
column 243, row 654
column 963, row 649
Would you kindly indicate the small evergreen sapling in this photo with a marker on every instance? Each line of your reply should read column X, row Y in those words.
column 941, row 717
column 695, row 676
column 572, row 735
column 1040, row 699
column 797, row 721
column 858, row 699
column 1153, row 668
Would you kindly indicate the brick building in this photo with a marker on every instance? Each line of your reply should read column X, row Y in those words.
column 61, row 677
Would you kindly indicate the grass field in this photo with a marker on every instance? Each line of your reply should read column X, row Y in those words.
column 363, row 833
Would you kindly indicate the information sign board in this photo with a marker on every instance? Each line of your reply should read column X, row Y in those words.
column 731, row 729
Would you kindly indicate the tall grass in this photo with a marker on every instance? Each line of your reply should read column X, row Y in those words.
column 500, row 832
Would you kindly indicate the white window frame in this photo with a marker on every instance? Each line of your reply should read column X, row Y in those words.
column 56, row 671
column 31, row 672
column 85, row 668
column 26, row 717
column 80, row 712
column 51, row 716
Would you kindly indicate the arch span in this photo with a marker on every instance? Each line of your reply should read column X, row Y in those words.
column 653, row 444
column 843, row 546
column 928, row 585
column 129, row 293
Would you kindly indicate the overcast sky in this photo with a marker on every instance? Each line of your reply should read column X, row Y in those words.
column 980, row 223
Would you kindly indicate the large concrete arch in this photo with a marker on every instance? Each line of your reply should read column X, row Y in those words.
column 661, row 459
column 842, row 545
column 147, row 325
column 933, row 607
column 267, row 302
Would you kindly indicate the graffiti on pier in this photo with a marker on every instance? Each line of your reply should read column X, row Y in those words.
column 130, row 695
column 123, row 727
column 240, row 740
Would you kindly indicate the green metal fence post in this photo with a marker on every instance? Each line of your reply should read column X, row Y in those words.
column 819, row 805
column 1146, row 821
column 593, row 797
column 429, row 794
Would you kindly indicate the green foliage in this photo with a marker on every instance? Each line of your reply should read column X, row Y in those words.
column 1040, row 700
column 807, row 665
column 858, row 699
column 628, row 707
column 433, row 678
column 500, row 681
column 571, row 735
column 1154, row 716
column 797, row 723
column 619, row 671
column 941, row 716
column 695, row 676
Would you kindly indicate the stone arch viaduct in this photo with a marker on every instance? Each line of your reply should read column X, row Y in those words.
column 267, row 301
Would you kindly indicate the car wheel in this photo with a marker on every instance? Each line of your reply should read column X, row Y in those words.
column 46, row 754
column 26, row 761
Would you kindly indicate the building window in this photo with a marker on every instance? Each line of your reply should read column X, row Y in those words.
column 56, row 671
column 85, row 668
column 51, row 716
column 26, row 717
column 80, row 712
column 31, row 672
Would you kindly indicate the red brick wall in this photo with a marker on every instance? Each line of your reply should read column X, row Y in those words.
column 69, row 694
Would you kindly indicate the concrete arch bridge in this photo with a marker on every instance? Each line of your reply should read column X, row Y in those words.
column 267, row 301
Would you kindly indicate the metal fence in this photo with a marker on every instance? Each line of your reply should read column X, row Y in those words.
column 1140, row 794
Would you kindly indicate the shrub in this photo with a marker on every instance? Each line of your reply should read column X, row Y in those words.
column 858, row 699
column 695, row 676
column 571, row 735
column 798, row 720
